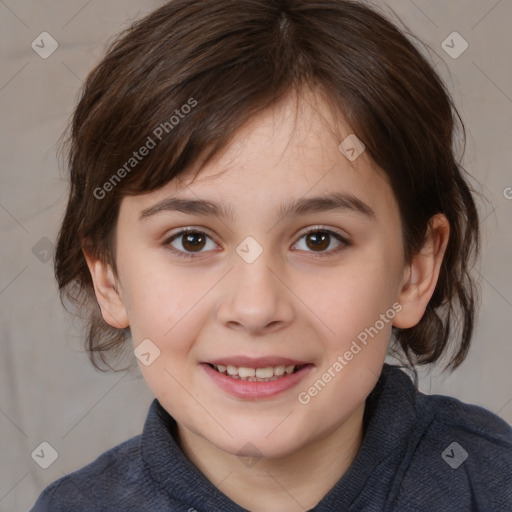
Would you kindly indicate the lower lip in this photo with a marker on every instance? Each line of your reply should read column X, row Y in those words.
column 256, row 389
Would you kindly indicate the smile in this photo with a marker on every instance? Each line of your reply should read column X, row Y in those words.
column 254, row 380
column 265, row 374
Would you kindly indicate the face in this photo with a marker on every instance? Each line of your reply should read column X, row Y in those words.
column 265, row 286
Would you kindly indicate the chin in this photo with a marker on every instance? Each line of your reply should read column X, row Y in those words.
column 261, row 444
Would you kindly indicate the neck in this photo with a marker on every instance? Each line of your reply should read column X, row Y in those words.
column 285, row 483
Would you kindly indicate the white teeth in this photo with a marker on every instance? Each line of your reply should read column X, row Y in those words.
column 246, row 372
column 267, row 373
column 264, row 373
column 279, row 370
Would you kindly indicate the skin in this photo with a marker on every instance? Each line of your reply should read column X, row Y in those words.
column 286, row 303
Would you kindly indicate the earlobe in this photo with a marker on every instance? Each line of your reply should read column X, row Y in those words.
column 421, row 276
column 108, row 293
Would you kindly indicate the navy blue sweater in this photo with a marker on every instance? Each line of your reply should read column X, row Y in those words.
column 419, row 453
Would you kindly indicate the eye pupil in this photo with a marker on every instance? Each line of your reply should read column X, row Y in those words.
column 319, row 240
column 189, row 239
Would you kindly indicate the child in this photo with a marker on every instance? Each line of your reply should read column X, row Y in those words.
column 264, row 198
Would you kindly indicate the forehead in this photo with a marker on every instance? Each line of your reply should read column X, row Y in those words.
column 290, row 150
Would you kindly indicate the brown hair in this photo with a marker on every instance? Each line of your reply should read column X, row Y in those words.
column 228, row 60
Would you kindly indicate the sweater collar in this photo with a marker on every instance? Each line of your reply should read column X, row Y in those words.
column 389, row 418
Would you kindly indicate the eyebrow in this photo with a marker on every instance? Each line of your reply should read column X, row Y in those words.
column 296, row 207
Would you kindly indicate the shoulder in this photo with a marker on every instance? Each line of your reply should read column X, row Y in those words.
column 105, row 479
column 465, row 451
column 483, row 430
column 445, row 416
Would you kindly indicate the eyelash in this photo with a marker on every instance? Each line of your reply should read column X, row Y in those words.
column 317, row 229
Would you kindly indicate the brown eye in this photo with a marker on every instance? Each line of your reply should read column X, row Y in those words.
column 319, row 240
column 193, row 241
column 189, row 242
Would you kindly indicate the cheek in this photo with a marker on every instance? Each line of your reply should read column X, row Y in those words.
column 160, row 298
column 357, row 307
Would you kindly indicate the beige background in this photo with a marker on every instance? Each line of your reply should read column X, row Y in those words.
column 48, row 390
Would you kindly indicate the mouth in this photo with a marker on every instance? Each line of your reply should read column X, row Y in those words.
column 255, row 381
column 254, row 378
column 256, row 374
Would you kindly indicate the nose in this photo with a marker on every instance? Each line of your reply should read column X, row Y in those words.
column 256, row 298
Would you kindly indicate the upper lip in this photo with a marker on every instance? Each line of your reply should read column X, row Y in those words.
column 256, row 362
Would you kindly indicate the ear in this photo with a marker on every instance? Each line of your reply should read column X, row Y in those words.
column 108, row 292
column 420, row 277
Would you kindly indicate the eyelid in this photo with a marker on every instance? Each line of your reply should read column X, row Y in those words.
column 321, row 227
